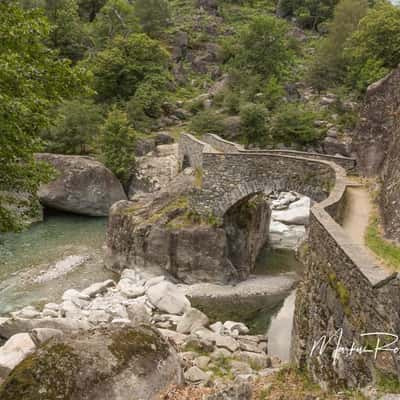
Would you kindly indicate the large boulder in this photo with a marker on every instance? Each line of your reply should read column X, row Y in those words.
column 104, row 364
column 83, row 185
column 160, row 231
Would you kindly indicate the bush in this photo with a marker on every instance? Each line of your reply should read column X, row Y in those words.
column 232, row 102
column 117, row 146
column 145, row 105
column 253, row 121
column 294, row 124
column 207, row 121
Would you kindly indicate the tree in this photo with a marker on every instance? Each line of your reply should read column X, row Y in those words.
column 329, row 66
column 126, row 63
column 32, row 80
column 75, row 127
column 117, row 145
column 262, row 49
column 374, row 48
column 88, row 9
column 153, row 15
column 117, row 17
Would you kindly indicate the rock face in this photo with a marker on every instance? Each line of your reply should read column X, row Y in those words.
column 377, row 145
column 83, row 186
column 159, row 231
column 103, row 364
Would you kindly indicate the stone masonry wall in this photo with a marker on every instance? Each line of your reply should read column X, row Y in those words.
column 343, row 288
column 349, row 164
column 227, row 178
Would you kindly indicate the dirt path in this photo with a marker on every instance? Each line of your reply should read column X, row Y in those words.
column 357, row 213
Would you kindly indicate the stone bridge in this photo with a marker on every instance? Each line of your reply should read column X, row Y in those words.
column 343, row 288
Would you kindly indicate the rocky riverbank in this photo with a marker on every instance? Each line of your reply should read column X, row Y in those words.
column 209, row 354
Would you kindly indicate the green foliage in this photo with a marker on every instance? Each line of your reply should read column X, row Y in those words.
column 117, row 145
column 386, row 250
column 253, row 122
column 294, row 124
column 117, row 17
column 32, row 81
column 76, row 125
column 126, row 63
column 153, row 15
column 146, row 104
column 308, row 13
column 207, row 121
column 88, row 9
column 329, row 63
column 67, row 34
column 374, row 48
column 262, row 49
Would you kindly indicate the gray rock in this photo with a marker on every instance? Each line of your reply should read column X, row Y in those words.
column 218, row 327
column 195, row 375
column 14, row 351
column 137, row 314
column 192, row 320
column 98, row 288
column 98, row 316
column 41, row 335
column 83, row 186
column 104, row 364
column 240, row 367
column 168, row 297
column 130, row 289
column 219, row 354
column 238, row 390
column 202, row 362
column 176, row 337
column 240, row 327
column 257, row 361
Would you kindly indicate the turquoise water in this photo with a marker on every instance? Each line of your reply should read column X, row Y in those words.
column 270, row 315
column 25, row 256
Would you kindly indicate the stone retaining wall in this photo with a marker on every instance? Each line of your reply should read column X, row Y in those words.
column 343, row 287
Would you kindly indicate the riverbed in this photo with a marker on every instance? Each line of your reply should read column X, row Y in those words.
column 38, row 265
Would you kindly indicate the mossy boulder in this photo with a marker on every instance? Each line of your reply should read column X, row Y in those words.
column 102, row 364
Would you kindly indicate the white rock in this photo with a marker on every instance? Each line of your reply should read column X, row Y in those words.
column 293, row 216
column 256, row 360
column 202, row 362
column 226, row 342
column 98, row 316
column 218, row 327
column 52, row 306
column 26, row 312
column 168, row 297
column 219, row 354
column 98, row 288
column 50, row 313
column 240, row 368
column 121, row 322
column 138, row 314
column 131, row 274
column 304, row 202
column 154, row 281
column 232, row 326
column 130, row 289
column 14, row 351
column 176, row 337
column 192, row 320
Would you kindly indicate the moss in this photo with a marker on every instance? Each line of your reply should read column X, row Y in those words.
column 142, row 343
column 198, row 174
column 387, row 383
column 181, row 202
column 341, row 291
column 48, row 374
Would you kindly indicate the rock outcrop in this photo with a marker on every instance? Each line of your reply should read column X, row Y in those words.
column 83, row 186
column 103, row 364
column 160, row 231
column 377, row 144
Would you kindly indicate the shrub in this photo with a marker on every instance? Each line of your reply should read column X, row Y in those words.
column 153, row 15
column 207, row 121
column 253, row 121
column 294, row 124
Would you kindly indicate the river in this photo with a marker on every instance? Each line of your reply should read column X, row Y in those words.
column 39, row 264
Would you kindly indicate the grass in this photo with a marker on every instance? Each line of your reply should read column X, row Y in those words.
column 383, row 248
column 292, row 384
